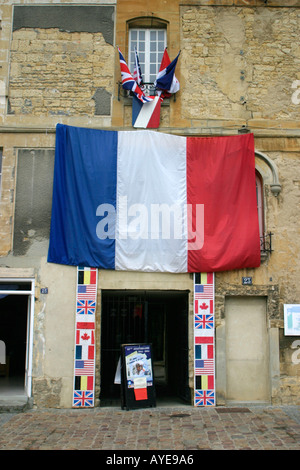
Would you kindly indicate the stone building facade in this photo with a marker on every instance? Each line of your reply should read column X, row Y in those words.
column 239, row 71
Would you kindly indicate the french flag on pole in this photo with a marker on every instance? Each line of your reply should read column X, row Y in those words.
column 166, row 80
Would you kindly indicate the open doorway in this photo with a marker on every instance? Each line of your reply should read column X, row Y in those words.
column 156, row 317
column 15, row 325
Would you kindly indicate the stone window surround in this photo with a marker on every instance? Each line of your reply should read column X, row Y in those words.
column 145, row 22
column 275, row 185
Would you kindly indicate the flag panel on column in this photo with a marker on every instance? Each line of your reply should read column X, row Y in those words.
column 204, row 356
column 84, row 356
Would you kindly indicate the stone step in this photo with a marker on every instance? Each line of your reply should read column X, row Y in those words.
column 9, row 404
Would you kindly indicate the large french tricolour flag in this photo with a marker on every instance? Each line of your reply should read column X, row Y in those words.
column 148, row 201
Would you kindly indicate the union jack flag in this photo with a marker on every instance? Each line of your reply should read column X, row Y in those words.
column 128, row 81
column 204, row 398
column 86, row 307
column 83, row 398
column 204, row 321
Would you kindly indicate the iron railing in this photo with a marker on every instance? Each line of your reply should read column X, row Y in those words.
column 148, row 88
column 266, row 243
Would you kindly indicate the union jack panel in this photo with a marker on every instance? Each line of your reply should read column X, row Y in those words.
column 205, row 398
column 204, row 321
column 83, row 399
column 86, row 307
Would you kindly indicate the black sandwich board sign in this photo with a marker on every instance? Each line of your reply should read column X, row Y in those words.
column 137, row 376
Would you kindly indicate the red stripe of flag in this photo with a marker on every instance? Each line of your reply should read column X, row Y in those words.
column 204, row 340
column 93, row 278
column 210, row 351
column 90, row 383
column 230, row 216
column 85, row 325
column 91, row 352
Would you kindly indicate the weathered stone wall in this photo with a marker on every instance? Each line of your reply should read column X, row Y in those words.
column 239, row 63
column 53, row 72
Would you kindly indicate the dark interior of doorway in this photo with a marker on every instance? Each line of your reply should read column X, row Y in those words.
column 156, row 317
column 13, row 331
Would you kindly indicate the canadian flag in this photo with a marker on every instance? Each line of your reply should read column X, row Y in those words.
column 204, row 306
column 86, row 339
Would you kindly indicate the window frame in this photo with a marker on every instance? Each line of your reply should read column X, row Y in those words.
column 149, row 75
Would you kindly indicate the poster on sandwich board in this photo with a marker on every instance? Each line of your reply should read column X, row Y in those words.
column 137, row 376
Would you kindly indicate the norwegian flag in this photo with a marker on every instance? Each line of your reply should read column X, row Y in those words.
column 129, row 83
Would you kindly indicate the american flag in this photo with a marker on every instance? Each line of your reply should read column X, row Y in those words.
column 204, row 321
column 204, row 398
column 86, row 292
column 83, row 398
column 86, row 307
column 84, row 367
column 128, row 81
column 204, row 291
column 204, row 366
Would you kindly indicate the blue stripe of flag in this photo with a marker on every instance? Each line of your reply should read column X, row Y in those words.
column 81, row 166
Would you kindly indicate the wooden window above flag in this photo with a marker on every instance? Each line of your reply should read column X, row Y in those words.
column 150, row 45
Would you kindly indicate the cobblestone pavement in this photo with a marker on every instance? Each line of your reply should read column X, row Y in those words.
column 179, row 428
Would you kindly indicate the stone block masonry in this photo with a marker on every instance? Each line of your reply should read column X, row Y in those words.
column 60, row 73
column 240, row 63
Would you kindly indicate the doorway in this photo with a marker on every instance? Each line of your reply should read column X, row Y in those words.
column 156, row 317
column 247, row 346
column 16, row 312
